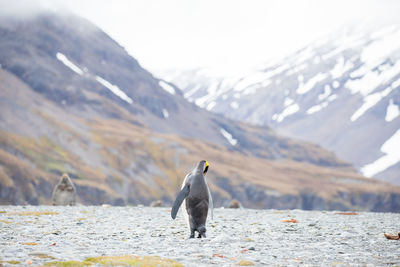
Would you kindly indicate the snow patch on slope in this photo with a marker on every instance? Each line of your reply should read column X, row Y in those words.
column 396, row 84
column 369, row 102
column 392, row 111
column 335, row 84
column 115, row 89
column 290, row 110
column 228, row 137
column 297, row 69
column 167, row 87
column 317, row 108
column 365, row 85
column 165, row 113
column 305, row 87
column 326, row 93
column 288, row 101
column 234, row 105
column 381, row 48
column 392, row 150
column 372, row 79
column 341, row 67
column 192, row 91
column 324, row 104
column 211, row 105
column 201, row 102
column 61, row 57
column 249, row 82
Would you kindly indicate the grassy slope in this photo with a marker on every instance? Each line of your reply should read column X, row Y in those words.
column 152, row 167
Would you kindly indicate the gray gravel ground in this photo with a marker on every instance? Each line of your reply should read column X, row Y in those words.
column 259, row 236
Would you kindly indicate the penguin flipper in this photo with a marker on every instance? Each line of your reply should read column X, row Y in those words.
column 179, row 199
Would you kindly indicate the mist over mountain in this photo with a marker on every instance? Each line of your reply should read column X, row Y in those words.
column 342, row 92
column 73, row 100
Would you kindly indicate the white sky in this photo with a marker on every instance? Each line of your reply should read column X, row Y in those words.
column 227, row 35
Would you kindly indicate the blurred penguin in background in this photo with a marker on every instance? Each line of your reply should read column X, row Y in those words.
column 64, row 193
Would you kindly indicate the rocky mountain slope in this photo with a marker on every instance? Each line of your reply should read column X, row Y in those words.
column 342, row 92
column 72, row 100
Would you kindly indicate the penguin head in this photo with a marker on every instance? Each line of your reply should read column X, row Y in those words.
column 65, row 179
column 206, row 165
column 202, row 167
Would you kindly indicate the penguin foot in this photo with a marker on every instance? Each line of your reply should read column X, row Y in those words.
column 191, row 235
column 202, row 232
column 202, row 235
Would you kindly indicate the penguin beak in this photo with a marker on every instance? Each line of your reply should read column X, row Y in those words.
column 206, row 168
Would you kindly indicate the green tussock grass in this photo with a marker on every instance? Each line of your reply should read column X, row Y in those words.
column 9, row 262
column 127, row 260
column 245, row 263
column 34, row 213
column 47, row 155
column 68, row 263
column 42, row 256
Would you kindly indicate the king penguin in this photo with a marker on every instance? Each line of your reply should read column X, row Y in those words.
column 197, row 196
column 64, row 193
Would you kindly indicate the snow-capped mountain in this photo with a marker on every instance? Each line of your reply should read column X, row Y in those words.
column 342, row 92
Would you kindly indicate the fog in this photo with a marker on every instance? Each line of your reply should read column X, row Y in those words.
column 25, row 8
column 228, row 35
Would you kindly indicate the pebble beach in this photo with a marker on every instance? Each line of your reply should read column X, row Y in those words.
column 52, row 236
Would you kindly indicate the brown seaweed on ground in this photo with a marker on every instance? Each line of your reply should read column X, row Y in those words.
column 393, row 237
column 347, row 213
column 290, row 221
